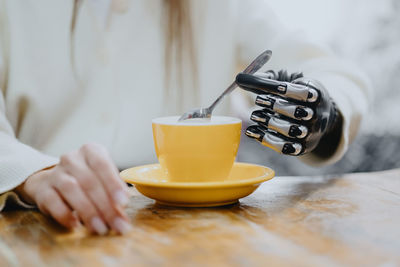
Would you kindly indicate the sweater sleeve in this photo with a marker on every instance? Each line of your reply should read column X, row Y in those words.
column 17, row 160
column 260, row 29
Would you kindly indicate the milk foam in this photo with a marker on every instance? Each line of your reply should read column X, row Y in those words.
column 214, row 120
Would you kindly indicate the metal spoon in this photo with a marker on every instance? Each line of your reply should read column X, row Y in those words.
column 206, row 112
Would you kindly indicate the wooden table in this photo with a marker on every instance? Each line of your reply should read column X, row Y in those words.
column 304, row 221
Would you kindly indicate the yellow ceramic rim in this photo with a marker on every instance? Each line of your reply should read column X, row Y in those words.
column 269, row 174
column 224, row 120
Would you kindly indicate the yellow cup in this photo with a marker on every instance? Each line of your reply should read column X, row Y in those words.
column 196, row 150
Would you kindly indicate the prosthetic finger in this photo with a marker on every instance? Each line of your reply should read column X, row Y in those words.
column 267, row 75
column 261, row 84
column 284, row 107
column 272, row 140
column 281, row 75
column 283, row 127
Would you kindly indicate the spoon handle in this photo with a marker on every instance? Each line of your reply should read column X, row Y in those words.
column 252, row 68
column 226, row 92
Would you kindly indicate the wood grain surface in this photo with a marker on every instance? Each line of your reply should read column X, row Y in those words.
column 349, row 220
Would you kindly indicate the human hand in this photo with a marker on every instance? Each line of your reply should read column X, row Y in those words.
column 84, row 186
column 297, row 113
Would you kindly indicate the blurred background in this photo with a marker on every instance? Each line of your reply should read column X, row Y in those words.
column 366, row 32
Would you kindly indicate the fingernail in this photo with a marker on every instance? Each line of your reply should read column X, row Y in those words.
column 122, row 226
column 75, row 224
column 99, row 226
column 121, row 198
column 75, row 220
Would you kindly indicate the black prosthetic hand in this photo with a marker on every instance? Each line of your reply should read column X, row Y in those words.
column 298, row 116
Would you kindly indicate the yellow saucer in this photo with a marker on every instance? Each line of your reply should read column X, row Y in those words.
column 151, row 181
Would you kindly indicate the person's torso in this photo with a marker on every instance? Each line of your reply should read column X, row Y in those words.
column 113, row 84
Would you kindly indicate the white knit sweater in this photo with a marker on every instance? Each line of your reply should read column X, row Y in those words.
column 114, row 85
